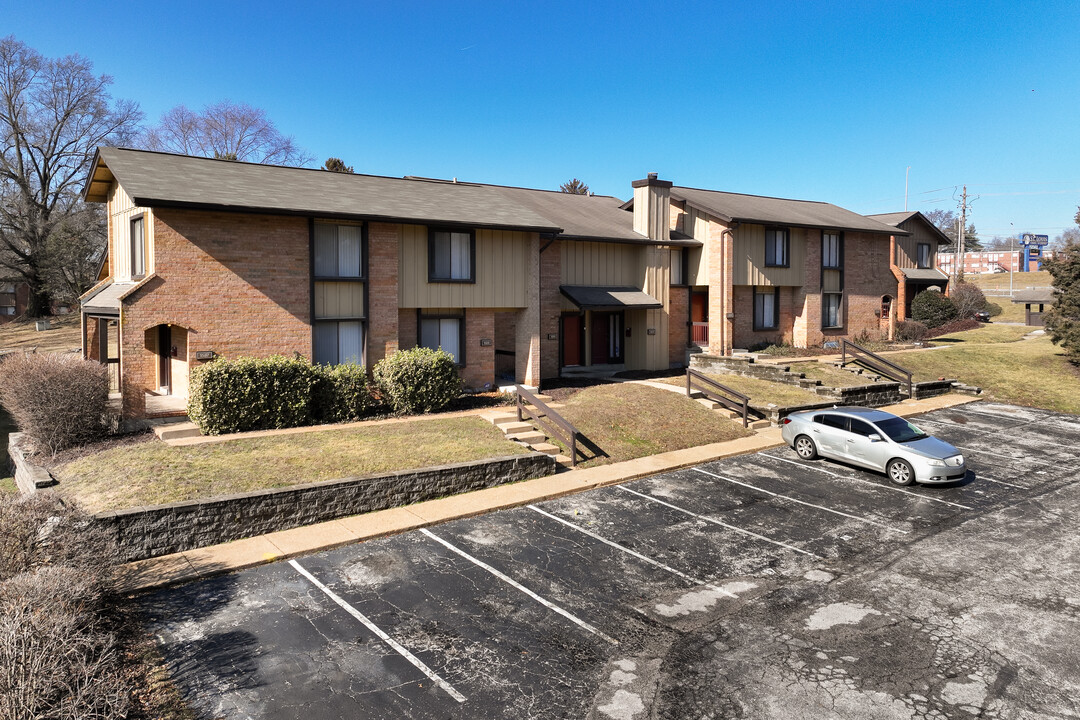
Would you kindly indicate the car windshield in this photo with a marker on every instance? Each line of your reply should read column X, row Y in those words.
column 900, row 430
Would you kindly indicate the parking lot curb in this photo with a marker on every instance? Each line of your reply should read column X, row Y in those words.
column 240, row 554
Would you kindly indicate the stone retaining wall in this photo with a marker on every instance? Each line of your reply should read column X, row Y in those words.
column 164, row 529
column 28, row 476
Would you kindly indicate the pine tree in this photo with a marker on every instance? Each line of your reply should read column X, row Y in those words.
column 1062, row 321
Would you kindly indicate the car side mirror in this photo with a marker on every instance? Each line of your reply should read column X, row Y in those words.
column 874, row 437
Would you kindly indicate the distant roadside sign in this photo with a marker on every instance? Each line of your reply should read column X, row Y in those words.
column 1031, row 239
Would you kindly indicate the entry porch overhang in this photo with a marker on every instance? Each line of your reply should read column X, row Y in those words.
column 601, row 298
column 926, row 275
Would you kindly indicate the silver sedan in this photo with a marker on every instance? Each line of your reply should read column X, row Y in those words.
column 874, row 439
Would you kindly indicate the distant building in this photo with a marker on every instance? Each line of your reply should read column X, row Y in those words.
column 13, row 300
column 993, row 261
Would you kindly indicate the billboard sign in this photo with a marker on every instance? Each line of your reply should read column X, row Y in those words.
column 1030, row 239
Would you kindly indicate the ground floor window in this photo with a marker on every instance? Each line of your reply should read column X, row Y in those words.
column 766, row 308
column 831, row 315
column 446, row 332
column 339, row 341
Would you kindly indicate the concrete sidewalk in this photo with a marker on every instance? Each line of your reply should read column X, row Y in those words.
column 216, row 559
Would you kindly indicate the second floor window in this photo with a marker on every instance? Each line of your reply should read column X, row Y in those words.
column 138, row 248
column 678, row 272
column 924, row 255
column 776, row 247
column 338, row 251
column 450, row 256
column 830, row 250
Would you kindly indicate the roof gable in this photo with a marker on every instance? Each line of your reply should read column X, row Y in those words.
column 904, row 221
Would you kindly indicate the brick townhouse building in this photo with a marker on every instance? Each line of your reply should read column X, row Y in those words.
column 211, row 258
column 14, row 297
column 914, row 258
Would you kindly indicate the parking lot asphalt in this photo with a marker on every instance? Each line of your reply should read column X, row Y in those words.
column 759, row 586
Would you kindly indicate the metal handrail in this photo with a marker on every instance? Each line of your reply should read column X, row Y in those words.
column 741, row 403
column 561, row 425
column 874, row 362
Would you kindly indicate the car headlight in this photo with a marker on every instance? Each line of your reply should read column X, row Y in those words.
column 934, row 462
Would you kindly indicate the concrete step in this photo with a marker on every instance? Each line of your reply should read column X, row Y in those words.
column 758, row 424
column 176, row 431
column 496, row 417
column 546, row 448
column 511, row 428
column 546, row 399
column 528, row 437
column 710, row 404
column 564, row 460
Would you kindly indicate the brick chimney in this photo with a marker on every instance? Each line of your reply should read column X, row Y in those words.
column 652, row 208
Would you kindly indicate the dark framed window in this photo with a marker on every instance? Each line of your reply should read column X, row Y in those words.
column 446, row 331
column 338, row 251
column 777, row 247
column 138, row 247
column 766, row 308
column 832, row 251
column 339, row 341
column 451, row 256
column 832, row 312
column 861, row 427
column 840, row 422
column 924, row 255
column 678, row 266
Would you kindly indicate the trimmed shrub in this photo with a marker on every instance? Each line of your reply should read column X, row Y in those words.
column 911, row 331
column 227, row 396
column 418, row 380
column 932, row 309
column 968, row 299
column 59, row 401
column 60, row 659
column 993, row 308
column 342, row 393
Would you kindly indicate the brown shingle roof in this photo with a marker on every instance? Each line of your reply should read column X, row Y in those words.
column 780, row 211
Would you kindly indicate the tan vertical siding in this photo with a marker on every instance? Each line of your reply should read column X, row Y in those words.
column 749, row 258
column 907, row 250
column 121, row 210
column 697, row 226
column 339, row 300
column 593, row 263
column 500, row 282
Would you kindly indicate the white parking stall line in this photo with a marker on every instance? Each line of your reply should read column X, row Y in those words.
column 513, row 583
column 432, row 675
column 803, row 502
column 634, row 553
column 714, row 521
column 867, row 482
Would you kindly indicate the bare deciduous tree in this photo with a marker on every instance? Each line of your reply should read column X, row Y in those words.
column 227, row 130
column 54, row 113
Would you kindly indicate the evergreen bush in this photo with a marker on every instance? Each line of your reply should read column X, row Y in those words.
column 932, row 309
column 343, row 393
column 227, row 396
column 418, row 380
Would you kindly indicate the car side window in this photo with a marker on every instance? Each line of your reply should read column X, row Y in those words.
column 862, row 428
column 834, row 421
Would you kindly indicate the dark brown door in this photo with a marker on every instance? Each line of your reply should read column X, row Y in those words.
column 165, row 357
column 606, row 334
column 571, row 338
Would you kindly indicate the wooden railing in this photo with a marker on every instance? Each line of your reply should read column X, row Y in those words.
column 731, row 399
column 875, row 362
column 551, row 422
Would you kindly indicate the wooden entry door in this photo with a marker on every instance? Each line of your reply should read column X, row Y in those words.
column 607, row 337
column 571, row 340
column 165, row 358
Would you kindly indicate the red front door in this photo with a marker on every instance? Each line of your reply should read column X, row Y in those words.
column 571, row 338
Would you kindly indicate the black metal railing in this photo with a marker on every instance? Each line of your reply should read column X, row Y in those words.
column 731, row 399
column 551, row 422
column 875, row 362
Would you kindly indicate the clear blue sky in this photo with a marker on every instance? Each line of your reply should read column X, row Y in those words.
column 813, row 100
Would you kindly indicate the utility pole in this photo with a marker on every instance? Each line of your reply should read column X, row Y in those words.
column 961, row 236
column 906, row 174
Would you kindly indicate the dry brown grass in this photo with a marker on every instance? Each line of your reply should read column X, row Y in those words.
column 64, row 335
column 761, row 392
column 151, row 473
column 627, row 420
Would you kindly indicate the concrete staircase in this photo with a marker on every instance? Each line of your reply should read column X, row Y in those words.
column 730, row 414
column 524, row 432
column 174, row 428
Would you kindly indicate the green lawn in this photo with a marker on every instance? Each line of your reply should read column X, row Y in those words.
column 151, row 473
column 1033, row 372
column 985, row 334
column 763, row 392
column 626, row 420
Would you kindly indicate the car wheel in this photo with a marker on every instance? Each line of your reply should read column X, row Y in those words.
column 805, row 448
column 900, row 472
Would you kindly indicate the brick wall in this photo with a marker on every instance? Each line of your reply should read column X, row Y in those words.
column 867, row 277
column 238, row 283
column 479, row 360
column 382, row 311
column 407, row 320
column 550, row 310
column 678, row 330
